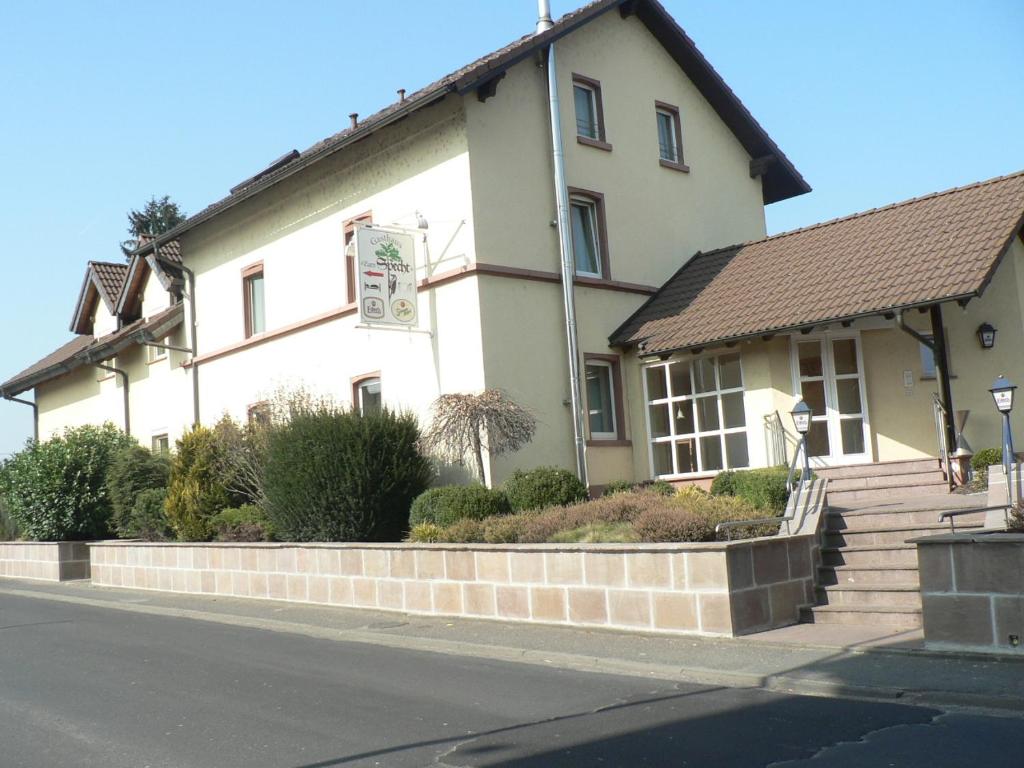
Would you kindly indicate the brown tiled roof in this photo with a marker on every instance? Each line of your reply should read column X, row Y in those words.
column 110, row 278
column 926, row 250
column 84, row 349
column 781, row 180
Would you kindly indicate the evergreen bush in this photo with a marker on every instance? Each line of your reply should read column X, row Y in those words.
column 985, row 458
column 133, row 470
column 148, row 517
column 57, row 490
column 543, row 487
column 196, row 490
column 245, row 523
column 450, row 503
column 764, row 488
column 338, row 475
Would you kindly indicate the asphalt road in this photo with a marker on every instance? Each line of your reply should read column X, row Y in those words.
column 82, row 685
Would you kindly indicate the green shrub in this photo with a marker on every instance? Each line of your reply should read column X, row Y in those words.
column 660, row 487
column 132, row 471
column 985, row 458
column 8, row 528
column 148, row 517
column 338, row 475
column 57, row 490
column 451, row 503
column 245, row 523
column 618, row 486
column 426, row 533
column 196, row 489
column 764, row 488
column 543, row 487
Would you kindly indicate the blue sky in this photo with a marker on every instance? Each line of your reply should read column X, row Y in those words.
column 105, row 104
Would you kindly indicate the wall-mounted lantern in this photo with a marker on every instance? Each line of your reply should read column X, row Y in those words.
column 987, row 335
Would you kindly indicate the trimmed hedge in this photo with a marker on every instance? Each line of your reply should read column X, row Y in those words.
column 543, row 487
column 338, row 475
column 450, row 503
column 764, row 488
column 57, row 490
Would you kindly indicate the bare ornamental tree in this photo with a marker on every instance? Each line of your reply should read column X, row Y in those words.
column 467, row 425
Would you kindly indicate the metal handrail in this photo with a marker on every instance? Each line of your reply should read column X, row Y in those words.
column 952, row 514
column 791, row 476
column 939, row 412
column 763, row 520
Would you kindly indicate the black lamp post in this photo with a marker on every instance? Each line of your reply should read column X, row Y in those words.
column 987, row 335
column 801, row 414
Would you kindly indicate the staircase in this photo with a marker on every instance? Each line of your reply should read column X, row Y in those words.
column 868, row 573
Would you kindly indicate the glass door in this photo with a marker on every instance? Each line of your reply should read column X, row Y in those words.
column 830, row 379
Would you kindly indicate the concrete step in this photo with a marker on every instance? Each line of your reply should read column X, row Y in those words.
column 887, row 535
column 871, row 595
column 838, row 519
column 868, row 575
column 908, row 480
column 839, row 498
column 898, row 618
column 873, row 556
column 879, row 469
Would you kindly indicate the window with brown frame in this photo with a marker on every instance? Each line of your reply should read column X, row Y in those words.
column 350, row 254
column 253, row 299
column 670, row 136
column 366, row 393
column 586, row 96
column 589, row 234
column 603, row 378
column 258, row 413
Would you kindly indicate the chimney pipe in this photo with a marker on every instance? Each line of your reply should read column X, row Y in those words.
column 544, row 21
column 354, row 117
column 401, row 94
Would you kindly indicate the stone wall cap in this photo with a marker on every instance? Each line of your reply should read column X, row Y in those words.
column 671, row 547
column 996, row 536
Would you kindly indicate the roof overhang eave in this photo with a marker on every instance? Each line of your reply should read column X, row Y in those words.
column 794, row 328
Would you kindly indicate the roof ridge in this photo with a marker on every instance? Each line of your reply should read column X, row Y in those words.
column 107, row 263
column 880, row 209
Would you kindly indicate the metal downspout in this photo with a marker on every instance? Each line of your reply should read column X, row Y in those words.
column 127, row 401
column 568, row 267
column 191, row 276
column 35, row 414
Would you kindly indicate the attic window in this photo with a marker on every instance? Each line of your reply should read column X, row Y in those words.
column 586, row 94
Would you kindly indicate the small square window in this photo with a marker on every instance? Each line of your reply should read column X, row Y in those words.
column 156, row 353
column 160, row 444
column 367, row 396
column 259, row 413
column 255, row 304
column 928, row 359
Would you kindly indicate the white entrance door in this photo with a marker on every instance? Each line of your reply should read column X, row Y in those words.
column 829, row 374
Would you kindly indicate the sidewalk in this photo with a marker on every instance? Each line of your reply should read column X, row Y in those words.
column 853, row 662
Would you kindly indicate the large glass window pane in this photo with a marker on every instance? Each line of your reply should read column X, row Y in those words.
column 257, row 307
column 844, row 352
column 736, row 450
column 817, row 439
column 732, row 410
column 584, row 238
column 586, row 111
column 704, row 374
column 711, row 453
column 369, row 396
column 662, row 458
column 683, row 413
column 814, row 396
column 848, row 391
column 667, row 137
column 853, row 435
column 707, row 413
column 809, row 357
column 656, row 389
column 599, row 399
column 686, row 456
column 680, row 375
column 659, row 420
column 729, row 372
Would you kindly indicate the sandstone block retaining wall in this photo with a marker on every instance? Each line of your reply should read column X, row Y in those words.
column 972, row 591
column 49, row 561
column 727, row 588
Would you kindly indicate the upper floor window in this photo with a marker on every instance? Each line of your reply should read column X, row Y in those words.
column 255, row 305
column 160, row 444
column 258, row 414
column 586, row 95
column 366, row 396
column 350, row 254
column 670, row 136
column 154, row 354
column 589, row 241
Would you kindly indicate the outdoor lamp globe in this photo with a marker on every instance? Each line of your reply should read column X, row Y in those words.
column 1002, row 392
column 801, row 414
